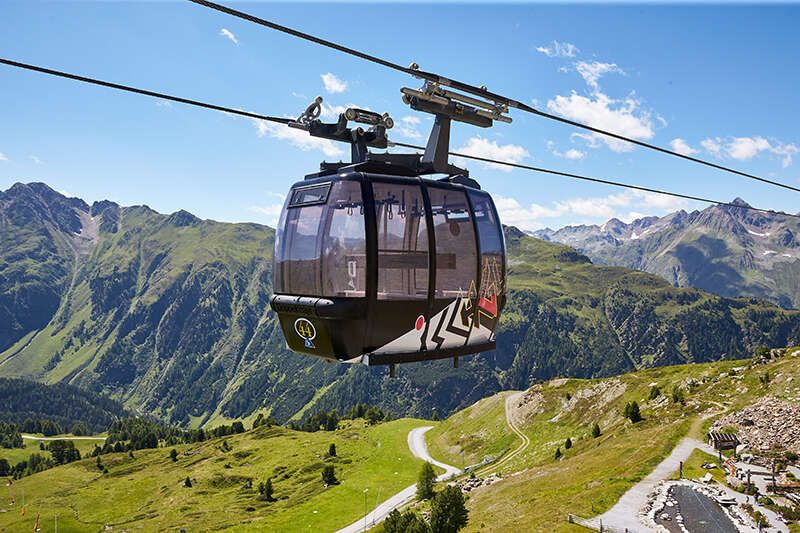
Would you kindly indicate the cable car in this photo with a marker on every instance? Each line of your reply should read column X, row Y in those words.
column 376, row 263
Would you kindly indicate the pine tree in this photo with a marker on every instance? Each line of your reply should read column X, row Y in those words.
column 173, row 454
column 558, row 453
column 187, row 483
column 268, row 490
column 448, row 511
column 596, row 430
column 332, row 450
column 329, row 476
column 427, row 477
column 568, row 443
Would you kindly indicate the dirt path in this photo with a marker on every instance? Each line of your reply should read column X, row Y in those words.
column 510, row 399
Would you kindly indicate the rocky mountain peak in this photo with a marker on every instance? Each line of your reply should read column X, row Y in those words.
column 25, row 203
column 182, row 218
column 738, row 201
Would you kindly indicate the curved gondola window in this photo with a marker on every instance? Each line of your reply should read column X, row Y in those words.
column 320, row 242
column 344, row 259
column 402, row 242
column 456, row 251
column 490, row 237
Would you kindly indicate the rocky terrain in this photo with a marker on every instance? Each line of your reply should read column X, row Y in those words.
column 723, row 249
column 766, row 424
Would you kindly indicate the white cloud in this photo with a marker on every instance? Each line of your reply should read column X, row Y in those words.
column 711, row 146
column 591, row 72
column 746, row 148
column 407, row 127
column 270, row 212
column 35, row 160
column 3, row 157
column 480, row 147
column 573, row 153
column 558, row 49
column 299, row 95
column 228, row 34
column 680, row 146
column 163, row 103
column 332, row 83
column 297, row 138
column 624, row 117
column 596, row 209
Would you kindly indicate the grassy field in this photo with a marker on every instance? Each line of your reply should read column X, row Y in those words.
column 693, row 467
column 481, row 429
column 15, row 455
column 595, row 472
column 147, row 492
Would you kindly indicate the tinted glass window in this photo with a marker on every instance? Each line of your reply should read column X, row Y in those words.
column 316, row 194
column 402, row 242
column 490, row 237
column 456, row 252
column 344, row 259
column 298, row 261
column 320, row 247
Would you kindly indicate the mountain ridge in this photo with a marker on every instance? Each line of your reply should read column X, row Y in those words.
column 169, row 315
column 726, row 250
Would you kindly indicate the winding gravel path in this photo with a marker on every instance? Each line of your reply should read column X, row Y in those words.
column 521, row 448
column 416, row 443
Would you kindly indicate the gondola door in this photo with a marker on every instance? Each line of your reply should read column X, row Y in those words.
column 403, row 267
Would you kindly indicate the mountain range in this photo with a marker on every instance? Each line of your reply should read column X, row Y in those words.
column 728, row 250
column 169, row 315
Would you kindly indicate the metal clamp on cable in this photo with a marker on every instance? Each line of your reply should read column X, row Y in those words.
column 435, row 98
column 312, row 113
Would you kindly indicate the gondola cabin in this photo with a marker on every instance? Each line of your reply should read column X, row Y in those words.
column 376, row 263
column 395, row 268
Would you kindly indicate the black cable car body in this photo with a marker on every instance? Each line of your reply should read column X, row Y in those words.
column 377, row 264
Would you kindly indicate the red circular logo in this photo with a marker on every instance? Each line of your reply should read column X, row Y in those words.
column 420, row 323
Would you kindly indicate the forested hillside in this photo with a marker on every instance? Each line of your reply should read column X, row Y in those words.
column 65, row 405
column 169, row 314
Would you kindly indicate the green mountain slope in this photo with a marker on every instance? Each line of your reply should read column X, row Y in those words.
column 169, row 314
column 536, row 488
column 149, row 493
column 535, row 491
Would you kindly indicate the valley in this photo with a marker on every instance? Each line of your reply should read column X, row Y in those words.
column 526, row 485
column 168, row 315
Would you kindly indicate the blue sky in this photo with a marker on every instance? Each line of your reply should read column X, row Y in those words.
column 716, row 80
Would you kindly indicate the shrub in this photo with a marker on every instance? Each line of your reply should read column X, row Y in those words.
column 558, row 453
column 596, row 431
column 655, row 392
column 568, row 443
column 678, row 396
column 632, row 412
column 332, row 450
column 173, row 454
